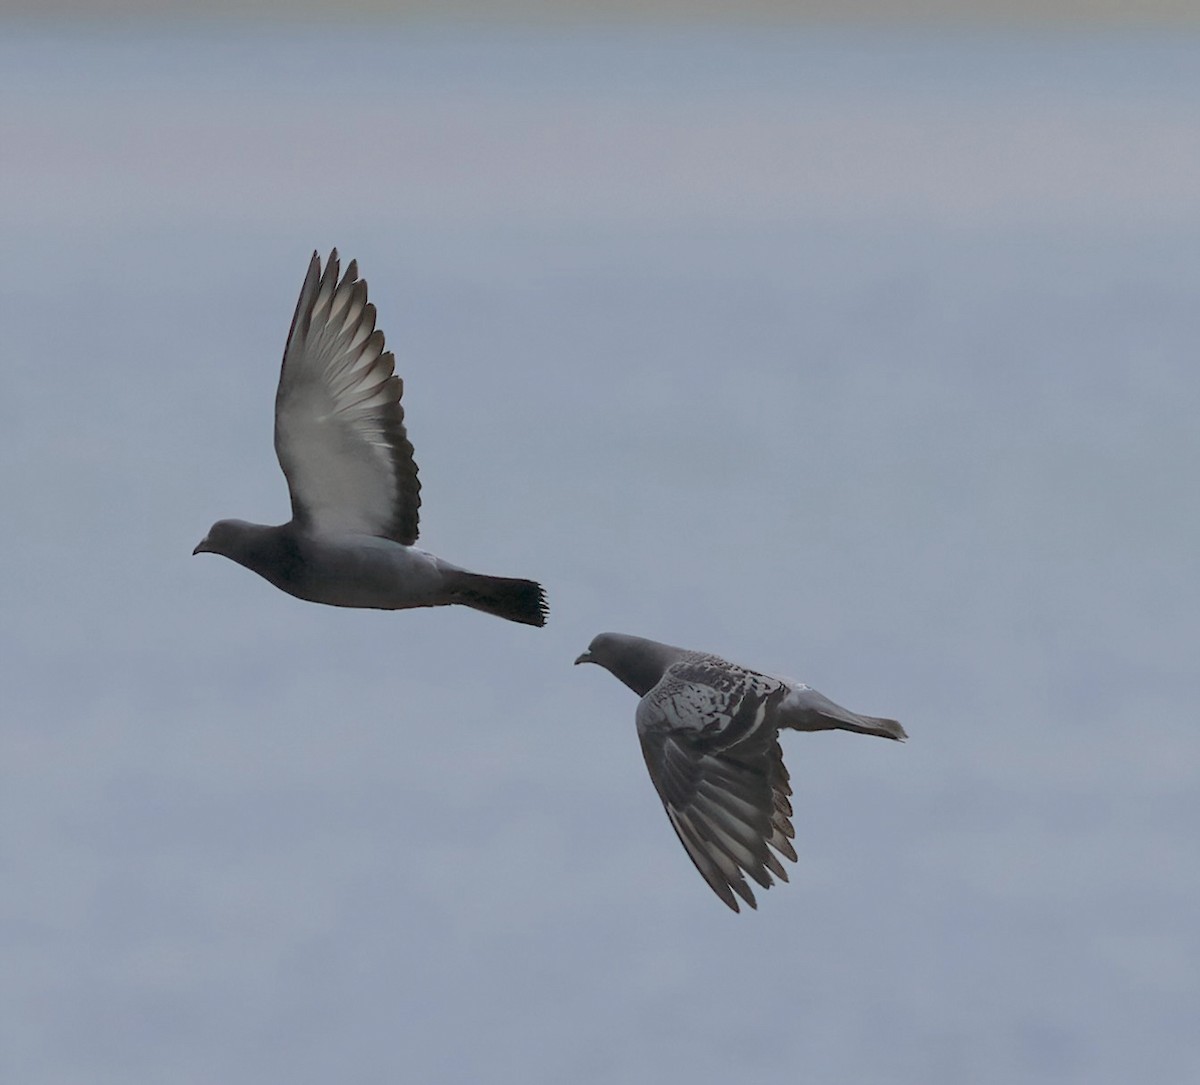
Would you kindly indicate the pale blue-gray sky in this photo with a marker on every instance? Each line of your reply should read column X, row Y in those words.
column 868, row 358
column 599, row 12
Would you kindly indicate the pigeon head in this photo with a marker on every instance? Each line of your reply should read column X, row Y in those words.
column 272, row 552
column 637, row 662
column 225, row 537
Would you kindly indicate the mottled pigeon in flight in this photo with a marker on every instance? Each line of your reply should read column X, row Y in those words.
column 710, row 736
column 340, row 439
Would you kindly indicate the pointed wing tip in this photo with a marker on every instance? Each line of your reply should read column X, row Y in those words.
column 747, row 894
column 725, row 893
column 331, row 265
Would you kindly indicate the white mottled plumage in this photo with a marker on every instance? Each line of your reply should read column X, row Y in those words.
column 709, row 731
column 341, row 441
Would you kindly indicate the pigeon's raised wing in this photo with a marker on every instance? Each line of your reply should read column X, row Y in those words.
column 710, row 742
column 339, row 425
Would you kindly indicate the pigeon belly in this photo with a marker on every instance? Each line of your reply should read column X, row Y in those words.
column 366, row 571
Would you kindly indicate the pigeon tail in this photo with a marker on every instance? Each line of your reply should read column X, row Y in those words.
column 517, row 600
column 805, row 709
column 873, row 725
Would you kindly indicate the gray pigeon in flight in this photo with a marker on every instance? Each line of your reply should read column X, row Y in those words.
column 340, row 439
column 710, row 736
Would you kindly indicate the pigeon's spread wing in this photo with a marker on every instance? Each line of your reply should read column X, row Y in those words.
column 339, row 425
column 712, row 750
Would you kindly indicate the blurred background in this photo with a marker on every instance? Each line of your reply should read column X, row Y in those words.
column 858, row 346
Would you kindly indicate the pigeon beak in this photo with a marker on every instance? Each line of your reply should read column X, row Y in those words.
column 585, row 658
column 201, row 548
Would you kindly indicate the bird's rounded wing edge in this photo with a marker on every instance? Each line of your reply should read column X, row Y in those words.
column 339, row 423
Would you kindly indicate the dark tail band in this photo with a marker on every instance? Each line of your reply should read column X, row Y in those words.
column 516, row 600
